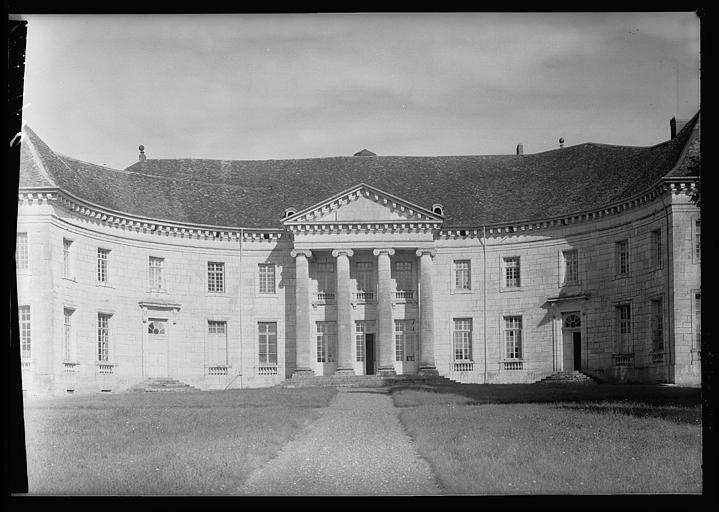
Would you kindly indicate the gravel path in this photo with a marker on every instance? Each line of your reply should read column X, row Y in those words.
column 357, row 447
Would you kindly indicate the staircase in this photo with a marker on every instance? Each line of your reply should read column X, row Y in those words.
column 571, row 377
column 155, row 385
column 363, row 381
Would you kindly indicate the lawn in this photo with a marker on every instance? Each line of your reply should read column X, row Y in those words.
column 161, row 443
column 557, row 439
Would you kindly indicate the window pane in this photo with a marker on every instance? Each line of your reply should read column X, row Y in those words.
column 215, row 277
column 102, row 256
column 571, row 266
column 267, row 277
column 462, row 275
column 268, row 342
column 103, row 337
column 156, row 277
column 21, row 252
column 511, row 272
column 462, row 339
column 403, row 275
column 24, row 320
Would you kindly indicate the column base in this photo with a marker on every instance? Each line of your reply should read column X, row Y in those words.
column 387, row 371
column 428, row 370
column 300, row 373
column 344, row 371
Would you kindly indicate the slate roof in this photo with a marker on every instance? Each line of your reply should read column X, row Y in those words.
column 474, row 190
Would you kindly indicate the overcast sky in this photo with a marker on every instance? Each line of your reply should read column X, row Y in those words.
column 296, row 86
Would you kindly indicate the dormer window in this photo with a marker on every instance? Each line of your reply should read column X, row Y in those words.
column 289, row 212
column 438, row 209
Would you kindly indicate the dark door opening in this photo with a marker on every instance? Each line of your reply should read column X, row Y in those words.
column 577, row 340
column 369, row 354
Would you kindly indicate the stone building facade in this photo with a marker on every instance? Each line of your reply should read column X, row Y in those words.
column 487, row 269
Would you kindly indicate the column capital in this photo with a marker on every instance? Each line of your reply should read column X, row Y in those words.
column 347, row 252
column 377, row 252
column 301, row 252
column 422, row 252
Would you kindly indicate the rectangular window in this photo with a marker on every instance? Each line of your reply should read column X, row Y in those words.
column 624, row 322
column 404, row 340
column 215, row 277
column 698, row 319
column 68, row 348
column 66, row 262
column 21, row 252
column 622, row 256
column 268, row 342
column 267, row 277
column 326, row 279
column 156, row 275
column 698, row 239
column 657, row 326
column 512, row 273
column 326, row 341
column 571, row 266
column 103, row 337
column 403, row 276
column 462, row 338
column 462, row 279
column 657, row 248
column 362, row 327
column 364, row 276
column 102, row 259
column 217, row 342
column 513, row 337
column 24, row 321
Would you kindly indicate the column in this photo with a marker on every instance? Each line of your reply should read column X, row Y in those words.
column 426, row 309
column 344, row 320
column 303, row 337
column 384, row 312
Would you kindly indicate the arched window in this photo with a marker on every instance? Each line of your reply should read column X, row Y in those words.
column 289, row 212
column 572, row 321
column 438, row 209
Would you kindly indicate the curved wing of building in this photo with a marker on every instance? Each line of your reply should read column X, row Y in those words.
column 500, row 268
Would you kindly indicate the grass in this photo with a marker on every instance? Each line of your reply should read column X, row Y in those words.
column 557, row 439
column 161, row 443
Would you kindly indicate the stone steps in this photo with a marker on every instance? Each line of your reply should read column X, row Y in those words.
column 570, row 377
column 160, row 385
column 361, row 381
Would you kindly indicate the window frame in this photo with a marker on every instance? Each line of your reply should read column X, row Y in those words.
column 25, row 331
column 657, row 324
column 68, row 263
column 696, row 239
column 268, row 341
column 104, row 264
column 326, row 342
column 22, row 243
column 400, row 276
column 618, row 273
column 657, row 248
column 466, row 352
column 504, row 283
column 453, row 284
column 564, row 267
column 624, row 340
column 103, row 341
column 273, row 281
column 212, row 279
column 404, row 339
column 162, row 288
column 517, row 342
column 69, row 335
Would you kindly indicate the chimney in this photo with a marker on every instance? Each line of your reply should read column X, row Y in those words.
column 142, row 153
column 520, row 149
column 673, row 127
column 561, row 142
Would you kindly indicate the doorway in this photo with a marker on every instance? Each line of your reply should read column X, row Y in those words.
column 577, row 345
column 369, row 354
column 156, row 347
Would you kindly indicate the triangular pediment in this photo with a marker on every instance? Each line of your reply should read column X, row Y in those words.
column 364, row 204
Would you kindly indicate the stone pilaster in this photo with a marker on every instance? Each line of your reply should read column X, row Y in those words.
column 384, row 312
column 426, row 307
column 344, row 321
column 303, row 328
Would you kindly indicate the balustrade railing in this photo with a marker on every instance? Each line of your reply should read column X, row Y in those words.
column 623, row 360
column 267, row 370
column 364, row 297
column 325, row 296
column 404, row 294
column 69, row 367
column 657, row 357
column 513, row 365
column 217, row 370
column 105, row 368
column 463, row 366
